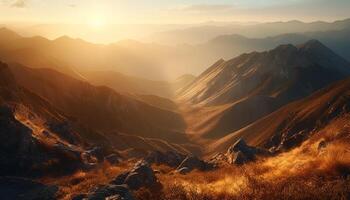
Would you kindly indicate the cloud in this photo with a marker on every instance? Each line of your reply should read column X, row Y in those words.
column 208, row 8
column 19, row 4
column 72, row 5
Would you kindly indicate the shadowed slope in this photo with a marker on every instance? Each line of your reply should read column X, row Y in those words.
column 293, row 123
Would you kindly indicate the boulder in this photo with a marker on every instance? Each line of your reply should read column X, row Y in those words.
column 240, row 153
column 193, row 162
column 113, row 159
column 112, row 192
column 141, row 175
column 96, row 152
column 170, row 158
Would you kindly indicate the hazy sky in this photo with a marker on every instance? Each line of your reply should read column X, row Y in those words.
column 99, row 12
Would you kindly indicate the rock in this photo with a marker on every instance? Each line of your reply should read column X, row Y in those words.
column 141, row 175
column 218, row 159
column 111, row 192
column 64, row 130
column 193, row 162
column 120, row 179
column 240, row 145
column 112, row 159
column 240, row 153
column 96, row 152
column 322, row 145
column 184, row 170
column 169, row 158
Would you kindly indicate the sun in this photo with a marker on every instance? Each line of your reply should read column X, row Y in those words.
column 97, row 23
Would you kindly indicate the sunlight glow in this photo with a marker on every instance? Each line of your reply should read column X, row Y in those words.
column 97, row 22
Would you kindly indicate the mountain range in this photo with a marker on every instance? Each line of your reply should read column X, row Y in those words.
column 156, row 61
column 233, row 94
column 70, row 107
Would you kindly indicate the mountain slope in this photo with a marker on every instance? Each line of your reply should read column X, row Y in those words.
column 35, row 137
column 101, row 108
column 39, row 139
column 253, row 85
column 295, row 122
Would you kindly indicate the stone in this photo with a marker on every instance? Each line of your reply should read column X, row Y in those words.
column 141, row 175
column 240, row 153
column 193, row 162
column 120, row 192
column 113, row 159
column 169, row 158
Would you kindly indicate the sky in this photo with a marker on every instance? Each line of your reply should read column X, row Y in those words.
column 102, row 12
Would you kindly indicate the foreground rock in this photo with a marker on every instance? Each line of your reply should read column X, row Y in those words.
column 110, row 192
column 141, row 175
column 169, row 158
column 240, row 153
column 192, row 162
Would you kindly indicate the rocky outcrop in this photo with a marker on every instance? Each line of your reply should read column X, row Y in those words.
column 240, row 153
column 192, row 162
column 109, row 192
column 112, row 159
column 169, row 158
column 141, row 175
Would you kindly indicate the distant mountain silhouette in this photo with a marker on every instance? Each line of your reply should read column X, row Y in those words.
column 253, row 85
column 150, row 60
column 202, row 33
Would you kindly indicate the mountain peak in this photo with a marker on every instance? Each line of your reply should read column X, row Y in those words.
column 312, row 44
column 285, row 47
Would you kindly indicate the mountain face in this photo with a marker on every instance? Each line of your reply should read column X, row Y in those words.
column 253, row 85
column 293, row 123
column 51, row 125
column 34, row 135
column 257, row 74
column 101, row 108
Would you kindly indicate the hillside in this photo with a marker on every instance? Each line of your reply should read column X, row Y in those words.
column 101, row 108
column 294, row 123
column 253, row 85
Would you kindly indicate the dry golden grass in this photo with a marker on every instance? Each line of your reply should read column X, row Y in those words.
column 306, row 172
column 83, row 182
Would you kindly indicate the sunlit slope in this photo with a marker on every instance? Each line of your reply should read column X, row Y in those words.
column 253, row 85
column 295, row 122
column 101, row 108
